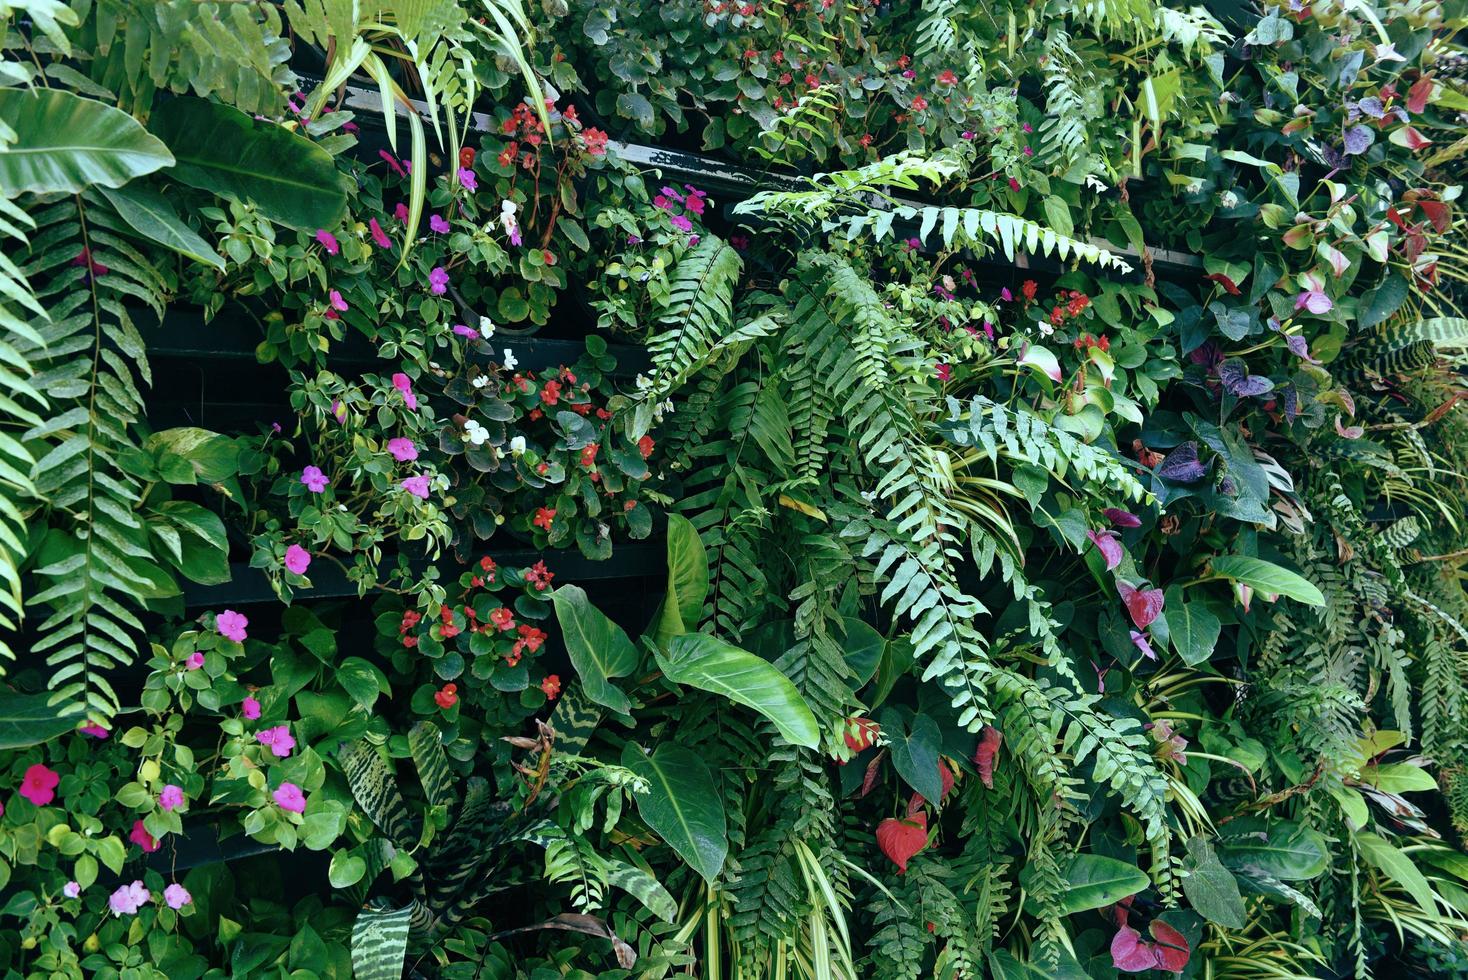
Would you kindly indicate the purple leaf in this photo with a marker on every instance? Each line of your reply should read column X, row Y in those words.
column 1358, row 140
column 1109, row 544
column 1182, row 465
column 1121, row 518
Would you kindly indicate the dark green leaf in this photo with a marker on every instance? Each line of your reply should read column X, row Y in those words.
column 683, row 804
column 599, row 649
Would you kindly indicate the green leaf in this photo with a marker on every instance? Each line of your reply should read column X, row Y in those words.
column 1095, row 881
column 346, row 869
column 151, row 216
column 290, row 180
column 1379, row 303
column 380, row 943
column 863, row 648
column 682, row 804
column 65, row 143
column 361, row 680
column 26, row 720
column 914, row 746
column 1398, row 867
column 1267, row 577
column 688, row 581
column 599, row 649
column 1278, row 848
column 214, row 457
column 1193, row 629
column 1210, row 886
column 709, row 664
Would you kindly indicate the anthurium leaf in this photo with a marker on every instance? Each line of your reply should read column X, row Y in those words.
column 688, row 581
column 709, row 664
column 26, row 720
column 1267, row 577
column 914, row 742
column 1193, row 630
column 598, row 648
column 682, row 804
column 66, row 143
column 151, row 216
column 1279, row 849
column 1398, row 867
column 1210, row 887
column 1095, row 881
column 291, row 180
column 864, row 647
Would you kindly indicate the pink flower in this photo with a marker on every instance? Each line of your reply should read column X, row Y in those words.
column 39, row 785
column 378, row 235
column 95, row 730
column 231, row 625
column 1109, row 544
column 177, row 896
column 195, row 661
column 1013, row 184
column 289, row 797
column 1139, row 640
column 438, row 225
column 392, row 161
column 297, row 559
column 1027, row 128
column 337, row 303
column 171, row 798
column 1143, row 605
column 142, row 838
column 695, row 203
column 466, row 331
column 468, row 180
column 402, row 449
column 250, row 707
column 338, row 411
column 681, row 222
column 1315, row 301
column 438, row 280
column 328, row 241
column 944, row 371
column 401, row 212
column 417, row 486
column 1121, row 518
column 278, row 739
column 314, row 479
column 128, row 899
column 403, row 383
column 71, row 889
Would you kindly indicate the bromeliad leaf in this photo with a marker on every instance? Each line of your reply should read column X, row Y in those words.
column 709, row 664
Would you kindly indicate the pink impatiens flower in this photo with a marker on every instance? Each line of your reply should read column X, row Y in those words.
column 195, row 661
column 142, row 838
column 231, row 625
column 289, row 797
column 417, row 486
column 128, row 899
column 95, row 730
column 403, row 450
column 438, row 281
column 250, row 707
column 337, row 303
column 378, row 235
column 177, row 896
column 297, row 559
column 404, row 384
column 278, row 739
column 328, row 241
column 681, row 222
column 71, row 889
column 39, row 785
column 438, row 225
column 171, row 798
column 467, row 178
column 314, row 479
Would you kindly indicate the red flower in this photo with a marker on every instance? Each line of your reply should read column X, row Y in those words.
column 901, row 839
column 812, row 81
column 588, row 455
column 551, row 686
column 487, row 564
column 447, row 630
column 447, row 696
column 946, row 77
column 503, row 619
column 530, row 638
column 644, row 446
column 535, row 415
column 1132, row 954
column 985, row 754
column 539, row 576
column 1030, row 288
column 551, row 393
column 544, row 516
column 919, row 103
column 785, row 78
column 466, row 157
column 866, row 139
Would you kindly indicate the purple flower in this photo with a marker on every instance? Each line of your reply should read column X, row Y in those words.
column 231, row 625
column 128, row 899
column 1121, row 518
column 633, row 240
column 1315, row 301
column 94, row 730
column 404, row 384
column 403, row 450
column 171, row 798
column 464, row 331
column 378, row 235
column 1006, row 295
column 468, row 180
column 71, row 890
column 681, row 222
column 967, row 134
column 195, row 661
column 297, row 559
column 438, row 281
column 1140, row 639
column 289, row 797
column 337, row 303
column 314, row 479
column 438, row 225
column 328, row 241
column 417, row 486
column 250, row 707
column 338, row 411
column 278, row 739
column 177, row 896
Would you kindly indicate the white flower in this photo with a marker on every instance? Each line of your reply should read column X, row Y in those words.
column 486, row 327
column 1046, row 329
column 507, row 207
column 517, row 445
column 643, row 382
column 510, row 360
column 667, row 406
column 480, row 381
column 475, row 433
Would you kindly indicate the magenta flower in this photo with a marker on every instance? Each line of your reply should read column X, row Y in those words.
column 128, row 899
column 277, row 739
column 337, row 303
column 438, row 225
column 177, row 896
column 465, row 331
column 1109, row 544
column 314, row 479
column 1121, row 518
column 1315, row 301
column 297, row 559
column 392, row 161
column 468, row 180
column 195, row 661
column 401, row 212
column 231, row 625
column 402, row 449
column 71, row 889
column 378, row 235
column 171, row 798
column 1013, row 184
column 681, row 222
column 404, row 384
column 142, row 838
column 250, row 708
column 328, row 241
column 944, row 371
column 39, row 785
column 438, row 281
column 1027, row 128
column 95, row 730
column 289, row 797
column 417, row 486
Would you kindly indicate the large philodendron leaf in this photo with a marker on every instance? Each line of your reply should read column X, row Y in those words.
column 65, row 143
column 1095, row 881
column 709, row 664
column 599, row 649
column 682, row 804
column 688, row 581
column 151, row 216
column 291, row 180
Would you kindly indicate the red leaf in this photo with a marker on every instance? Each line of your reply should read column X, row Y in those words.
column 1132, row 954
column 1143, row 605
column 861, row 733
column 874, row 769
column 945, row 775
column 1225, row 282
column 1439, row 213
column 984, row 756
column 1172, row 949
column 1109, row 544
column 901, row 839
column 1417, row 95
